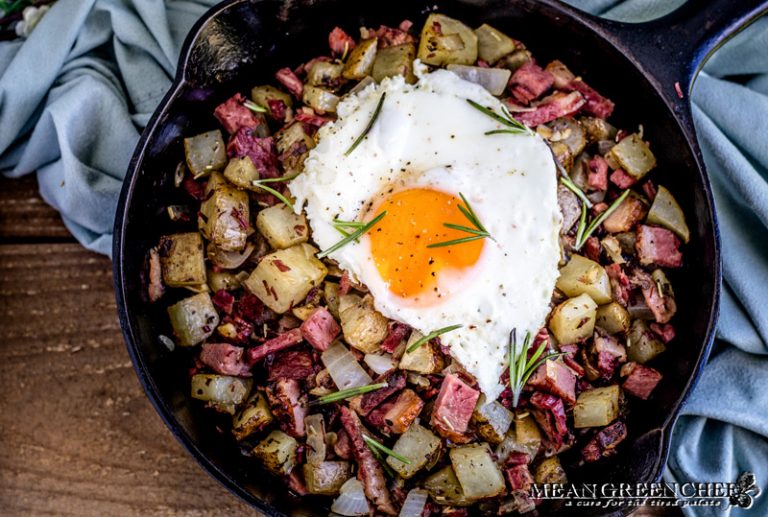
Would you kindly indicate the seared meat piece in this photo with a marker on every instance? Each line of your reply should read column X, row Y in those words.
column 364, row 404
column 549, row 413
column 555, row 378
column 261, row 151
column 529, row 82
column 557, row 105
column 604, row 443
column 293, row 84
column 320, row 329
column 640, row 380
column 397, row 333
column 285, row 340
column 293, row 364
column 519, row 477
column 288, row 405
column 233, row 115
column 340, row 42
column 453, row 408
column 658, row 246
column 225, row 359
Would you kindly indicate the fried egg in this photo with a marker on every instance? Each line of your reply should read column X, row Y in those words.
column 426, row 149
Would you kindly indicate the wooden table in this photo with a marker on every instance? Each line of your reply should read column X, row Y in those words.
column 77, row 434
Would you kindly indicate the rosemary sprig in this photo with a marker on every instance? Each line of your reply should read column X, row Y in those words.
column 262, row 185
column 382, row 461
column 431, row 336
column 582, row 234
column 353, row 236
column 567, row 182
column 347, row 393
column 254, row 107
column 386, row 450
column 514, row 126
column 521, row 367
column 369, row 126
column 478, row 232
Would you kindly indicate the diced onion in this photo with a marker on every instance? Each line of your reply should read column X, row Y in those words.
column 344, row 369
column 230, row 259
column 351, row 501
column 379, row 363
column 492, row 79
column 167, row 342
column 414, row 504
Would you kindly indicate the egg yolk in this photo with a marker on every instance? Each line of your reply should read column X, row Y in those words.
column 415, row 219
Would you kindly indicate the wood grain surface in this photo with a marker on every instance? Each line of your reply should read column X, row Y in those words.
column 77, row 434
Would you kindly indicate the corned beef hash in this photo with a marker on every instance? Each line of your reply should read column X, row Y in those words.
column 420, row 273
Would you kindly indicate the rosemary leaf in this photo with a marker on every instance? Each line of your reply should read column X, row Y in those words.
column 566, row 181
column 599, row 220
column 431, row 336
column 369, row 126
column 386, row 450
column 479, row 232
column 347, row 393
column 382, row 461
column 352, row 236
column 254, row 107
column 278, row 195
column 516, row 127
column 521, row 367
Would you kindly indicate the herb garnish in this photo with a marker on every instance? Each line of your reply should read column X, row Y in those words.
column 368, row 127
column 521, row 367
column 431, row 336
column 570, row 185
column 514, row 126
column 382, row 461
column 478, row 232
column 584, row 231
column 351, row 236
column 386, row 450
column 347, row 393
column 254, row 107
column 262, row 185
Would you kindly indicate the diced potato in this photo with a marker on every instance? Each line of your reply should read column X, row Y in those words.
column 282, row 227
column 515, row 60
column 427, row 359
column 570, row 133
column 476, row 471
column 284, row 278
column 524, row 438
column 360, row 61
column 624, row 218
column 277, row 452
column 667, row 213
column 322, row 101
column 241, row 172
column 613, row 318
column 444, row 488
column 331, row 295
column 225, row 214
column 493, row 44
column 597, row 129
column 550, row 471
column 262, row 94
column 205, row 153
column 293, row 145
column 633, row 155
column 254, row 417
column 492, row 79
column 492, row 420
column 419, row 445
column 182, row 259
column 445, row 41
column 222, row 280
column 574, row 319
column 642, row 344
column 193, row 319
column 316, row 449
column 325, row 73
column 597, row 407
column 581, row 275
column 363, row 326
column 220, row 389
column 326, row 478
column 395, row 60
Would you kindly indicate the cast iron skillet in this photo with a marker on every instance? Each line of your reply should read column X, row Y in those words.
column 241, row 43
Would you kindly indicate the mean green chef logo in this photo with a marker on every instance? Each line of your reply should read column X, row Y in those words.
column 741, row 493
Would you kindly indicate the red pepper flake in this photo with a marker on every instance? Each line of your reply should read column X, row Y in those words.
column 279, row 264
column 679, row 90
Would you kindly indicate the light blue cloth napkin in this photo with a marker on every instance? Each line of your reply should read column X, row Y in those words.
column 74, row 97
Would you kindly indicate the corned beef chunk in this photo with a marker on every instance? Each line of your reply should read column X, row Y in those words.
column 655, row 245
column 640, row 380
column 604, row 443
column 453, row 408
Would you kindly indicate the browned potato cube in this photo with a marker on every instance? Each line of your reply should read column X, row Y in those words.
column 633, row 155
column 476, row 470
column 419, row 445
column 254, row 417
column 182, row 259
column 277, row 452
column 444, row 488
column 426, row 359
column 205, row 153
column 224, row 216
column 574, row 319
column 493, row 44
column 282, row 227
column 360, row 61
column 613, row 318
column 581, row 275
column 284, row 278
column 445, row 41
column 241, row 172
column 363, row 326
column 596, row 407
column 326, row 478
column 293, row 145
column 395, row 60
column 492, row 420
column 193, row 319
column 322, row 101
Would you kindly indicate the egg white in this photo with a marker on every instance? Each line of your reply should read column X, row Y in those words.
column 427, row 135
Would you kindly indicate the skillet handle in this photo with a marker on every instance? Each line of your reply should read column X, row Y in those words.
column 673, row 48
